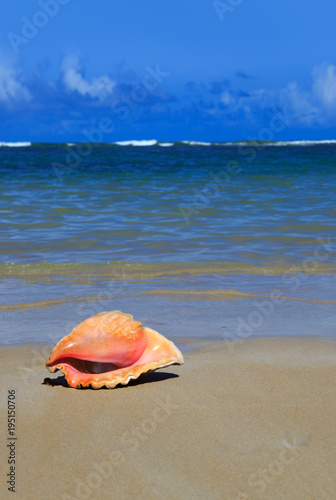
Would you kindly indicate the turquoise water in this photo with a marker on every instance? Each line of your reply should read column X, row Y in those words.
column 186, row 236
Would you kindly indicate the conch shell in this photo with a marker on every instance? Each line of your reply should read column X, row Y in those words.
column 111, row 348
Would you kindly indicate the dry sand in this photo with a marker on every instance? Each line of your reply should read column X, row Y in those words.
column 254, row 420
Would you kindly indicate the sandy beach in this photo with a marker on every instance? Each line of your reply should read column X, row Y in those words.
column 236, row 421
column 174, row 163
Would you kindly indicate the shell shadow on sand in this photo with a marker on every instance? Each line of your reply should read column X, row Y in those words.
column 145, row 379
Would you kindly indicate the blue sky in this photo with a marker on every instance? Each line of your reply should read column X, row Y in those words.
column 178, row 70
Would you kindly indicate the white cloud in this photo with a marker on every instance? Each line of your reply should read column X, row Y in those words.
column 299, row 102
column 73, row 79
column 11, row 88
column 249, row 103
column 324, row 87
column 226, row 98
column 314, row 104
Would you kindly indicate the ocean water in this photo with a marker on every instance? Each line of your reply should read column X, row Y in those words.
column 197, row 240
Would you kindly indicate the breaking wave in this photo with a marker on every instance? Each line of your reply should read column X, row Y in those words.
column 197, row 143
column 265, row 144
column 155, row 142
column 15, row 144
column 151, row 142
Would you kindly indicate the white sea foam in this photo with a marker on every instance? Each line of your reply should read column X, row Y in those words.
column 237, row 143
column 276, row 143
column 197, row 143
column 15, row 144
column 154, row 142
column 300, row 143
column 251, row 143
column 136, row 143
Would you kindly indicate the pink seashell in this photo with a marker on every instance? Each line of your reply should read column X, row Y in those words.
column 111, row 348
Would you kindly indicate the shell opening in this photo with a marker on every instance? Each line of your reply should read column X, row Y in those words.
column 85, row 366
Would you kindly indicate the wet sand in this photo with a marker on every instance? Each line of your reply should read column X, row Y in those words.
column 245, row 420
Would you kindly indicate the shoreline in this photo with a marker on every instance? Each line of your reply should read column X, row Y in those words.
column 191, row 344
column 245, row 423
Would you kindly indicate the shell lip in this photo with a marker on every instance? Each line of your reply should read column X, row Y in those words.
column 95, row 368
column 138, row 371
